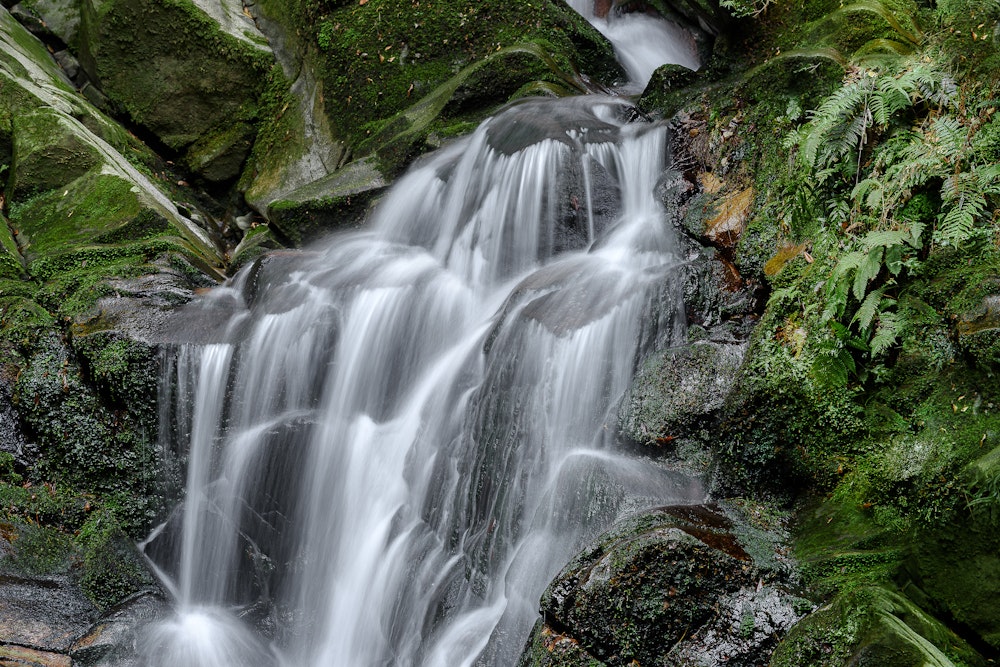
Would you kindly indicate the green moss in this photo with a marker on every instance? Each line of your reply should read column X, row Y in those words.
column 86, row 208
column 112, row 568
column 38, row 550
column 89, row 441
column 255, row 243
column 381, row 56
column 48, row 153
column 180, row 99
column 219, row 154
column 11, row 262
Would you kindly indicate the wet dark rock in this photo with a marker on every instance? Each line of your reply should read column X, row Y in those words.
column 715, row 293
column 12, row 440
column 30, row 19
column 679, row 585
column 69, row 64
column 113, row 639
column 678, row 391
column 46, row 613
column 585, row 213
column 528, row 123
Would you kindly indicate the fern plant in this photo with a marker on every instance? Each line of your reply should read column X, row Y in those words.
column 941, row 154
column 868, row 102
column 867, row 274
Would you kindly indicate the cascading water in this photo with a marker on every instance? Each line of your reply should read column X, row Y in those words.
column 398, row 438
column 642, row 41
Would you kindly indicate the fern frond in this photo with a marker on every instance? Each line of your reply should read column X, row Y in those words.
column 916, row 231
column 890, row 327
column 848, row 262
column 948, row 136
column 988, row 178
column 884, row 238
column 894, row 259
column 868, row 309
column 867, row 271
column 965, row 202
column 893, row 95
column 870, row 192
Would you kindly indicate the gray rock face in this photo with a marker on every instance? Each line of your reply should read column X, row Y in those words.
column 47, row 613
column 681, row 585
column 678, row 391
column 113, row 640
column 12, row 440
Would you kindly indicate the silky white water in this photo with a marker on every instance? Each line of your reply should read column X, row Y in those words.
column 642, row 41
column 398, row 438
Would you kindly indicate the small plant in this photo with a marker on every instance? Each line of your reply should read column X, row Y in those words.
column 744, row 8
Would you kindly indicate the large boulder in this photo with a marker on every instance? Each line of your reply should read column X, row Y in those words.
column 189, row 72
column 679, row 391
column 681, row 585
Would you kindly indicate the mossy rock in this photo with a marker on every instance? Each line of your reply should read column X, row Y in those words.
column 113, row 569
column 36, row 550
column 336, row 201
column 872, row 626
column 219, row 154
column 87, row 440
column 62, row 18
column 11, row 261
column 49, row 113
column 48, row 153
column 378, row 58
column 254, row 243
column 176, row 70
column 548, row 647
column 956, row 561
column 663, row 587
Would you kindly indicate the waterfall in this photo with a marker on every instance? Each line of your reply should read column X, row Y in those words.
column 397, row 438
column 642, row 41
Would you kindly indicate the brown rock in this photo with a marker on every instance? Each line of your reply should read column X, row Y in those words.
column 12, row 655
column 45, row 612
column 724, row 230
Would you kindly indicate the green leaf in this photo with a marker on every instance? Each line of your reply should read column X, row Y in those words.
column 886, row 333
column 894, row 259
column 832, row 368
column 868, row 309
column 867, row 272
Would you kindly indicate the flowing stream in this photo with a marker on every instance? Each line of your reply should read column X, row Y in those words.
column 396, row 439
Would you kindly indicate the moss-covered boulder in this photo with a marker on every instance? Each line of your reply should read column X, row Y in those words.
column 189, row 72
column 680, row 585
column 379, row 57
column 872, row 627
column 48, row 152
column 338, row 200
column 956, row 562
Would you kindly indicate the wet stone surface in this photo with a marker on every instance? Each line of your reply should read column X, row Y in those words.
column 679, row 585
